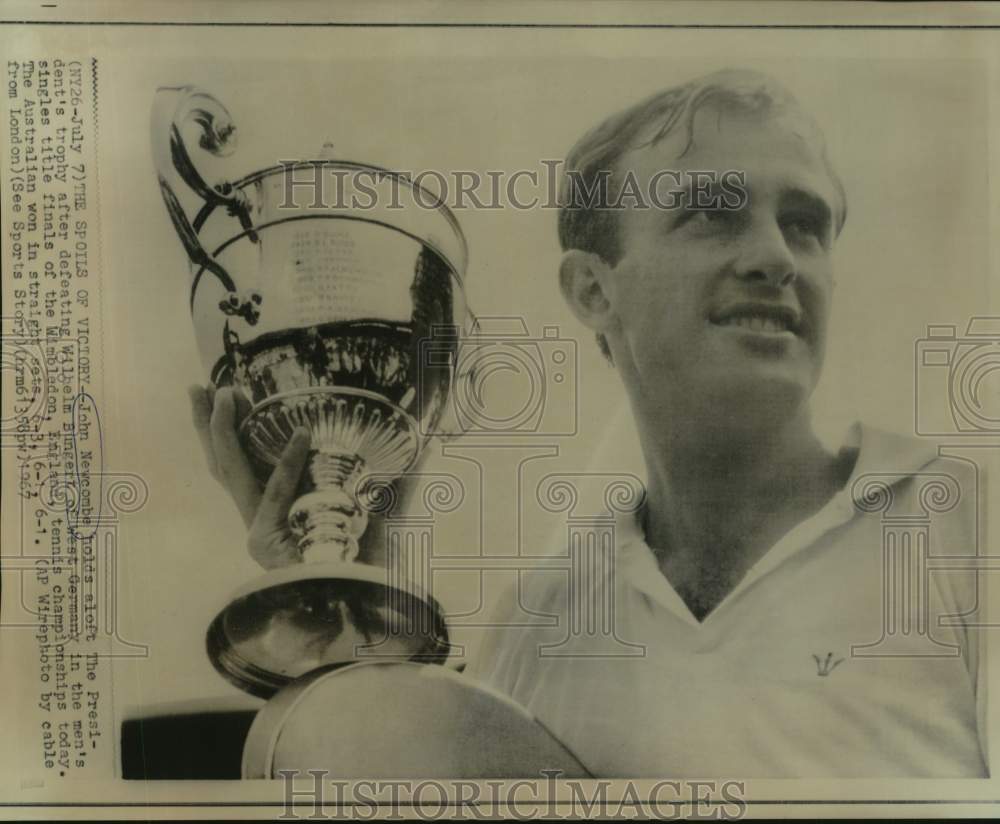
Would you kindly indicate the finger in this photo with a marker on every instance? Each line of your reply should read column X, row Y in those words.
column 273, row 550
column 234, row 467
column 201, row 416
column 243, row 405
column 281, row 487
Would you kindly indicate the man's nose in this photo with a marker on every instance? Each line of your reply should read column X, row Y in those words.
column 767, row 258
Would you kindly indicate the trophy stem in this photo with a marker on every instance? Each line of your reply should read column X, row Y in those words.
column 328, row 520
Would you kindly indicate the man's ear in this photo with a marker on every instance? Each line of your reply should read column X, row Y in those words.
column 583, row 278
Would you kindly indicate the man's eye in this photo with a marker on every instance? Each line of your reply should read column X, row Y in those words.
column 808, row 226
column 711, row 215
column 708, row 218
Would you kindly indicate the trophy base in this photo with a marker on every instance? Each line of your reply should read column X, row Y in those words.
column 290, row 622
column 400, row 721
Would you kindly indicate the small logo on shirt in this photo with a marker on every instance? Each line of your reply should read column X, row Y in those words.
column 824, row 666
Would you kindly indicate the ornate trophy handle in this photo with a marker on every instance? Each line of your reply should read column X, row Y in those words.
column 173, row 109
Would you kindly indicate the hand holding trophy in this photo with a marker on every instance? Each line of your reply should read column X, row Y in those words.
column 339, row 326
column 216, row 415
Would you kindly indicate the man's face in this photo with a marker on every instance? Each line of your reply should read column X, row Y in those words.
column 729, row 308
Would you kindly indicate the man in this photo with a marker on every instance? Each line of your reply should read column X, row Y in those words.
column 751, row 577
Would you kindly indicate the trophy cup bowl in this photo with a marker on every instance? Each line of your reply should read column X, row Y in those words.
column 331, row 294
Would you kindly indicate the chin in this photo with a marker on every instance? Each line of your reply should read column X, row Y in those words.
column 758, row 397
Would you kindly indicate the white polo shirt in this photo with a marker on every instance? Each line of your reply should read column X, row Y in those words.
column 835, row 656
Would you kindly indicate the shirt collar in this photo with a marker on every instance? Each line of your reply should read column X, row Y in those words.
column 883, row 457
column 887, row 456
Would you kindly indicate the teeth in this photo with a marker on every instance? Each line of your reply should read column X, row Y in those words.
column 756, row 323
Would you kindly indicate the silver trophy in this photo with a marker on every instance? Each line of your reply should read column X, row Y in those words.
column 340, row 311
column 331, row 294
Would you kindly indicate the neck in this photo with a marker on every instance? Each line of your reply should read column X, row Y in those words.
column 719, row 494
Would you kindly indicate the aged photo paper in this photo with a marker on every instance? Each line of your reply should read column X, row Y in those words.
column 535, row 409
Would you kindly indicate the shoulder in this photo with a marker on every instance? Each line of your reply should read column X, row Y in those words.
column 930, row 498
column 537, row 609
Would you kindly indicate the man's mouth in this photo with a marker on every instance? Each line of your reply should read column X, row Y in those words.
column 759, row 317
